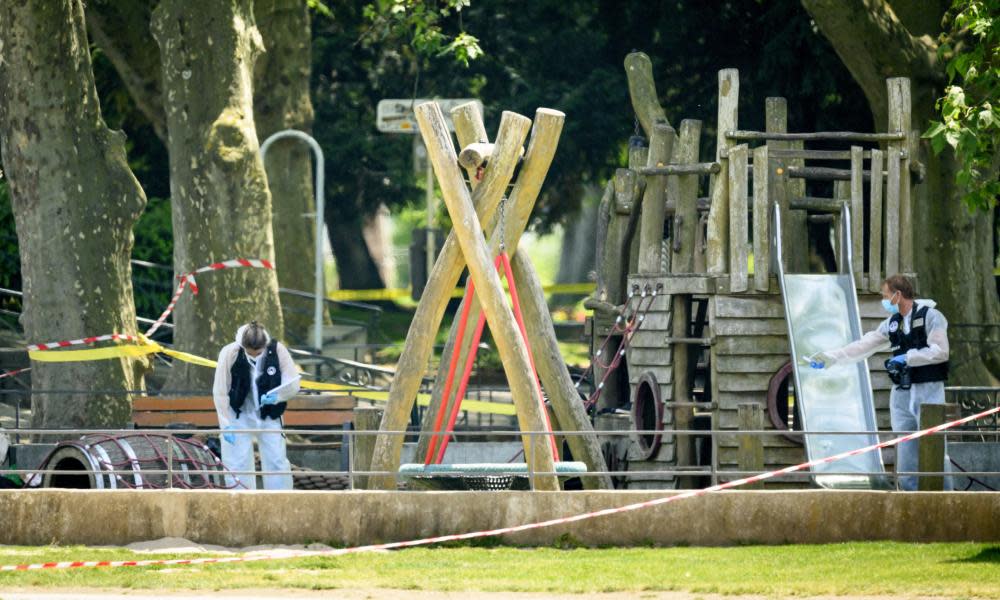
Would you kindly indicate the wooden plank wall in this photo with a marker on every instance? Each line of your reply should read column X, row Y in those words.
column 649, row 352
column 750, row 345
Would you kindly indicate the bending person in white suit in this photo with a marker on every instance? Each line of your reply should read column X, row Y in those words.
column 254, row 379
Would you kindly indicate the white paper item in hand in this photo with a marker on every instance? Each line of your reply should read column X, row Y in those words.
column 283, row 392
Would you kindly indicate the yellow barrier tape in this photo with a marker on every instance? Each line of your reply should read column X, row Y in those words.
column 396, row 293
column 148, row 347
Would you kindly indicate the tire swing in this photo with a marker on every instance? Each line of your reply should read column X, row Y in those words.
column 433, row 474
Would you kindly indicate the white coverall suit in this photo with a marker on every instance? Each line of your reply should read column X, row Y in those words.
column 238, row 456
column 904, row 405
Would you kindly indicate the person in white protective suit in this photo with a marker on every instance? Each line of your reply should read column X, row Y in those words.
column 917, row 335
column 254, row 379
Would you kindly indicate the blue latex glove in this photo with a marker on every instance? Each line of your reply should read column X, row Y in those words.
column 229, row 438
column 817, row 364
column 899, row 360
column 268, row 398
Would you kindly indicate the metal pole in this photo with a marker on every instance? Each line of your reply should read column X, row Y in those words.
column 320, row 287
column 431, row 217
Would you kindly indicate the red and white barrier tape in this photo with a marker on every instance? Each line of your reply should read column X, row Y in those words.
column 14, row 372
column 502, row 530
column 187, row 279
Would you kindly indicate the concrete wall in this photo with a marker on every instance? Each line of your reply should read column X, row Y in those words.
column 33, row 517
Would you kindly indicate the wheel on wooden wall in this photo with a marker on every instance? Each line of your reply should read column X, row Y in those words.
column 782, row 405
column 647, row 415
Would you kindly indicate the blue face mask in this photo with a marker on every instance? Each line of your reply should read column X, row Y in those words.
column 889, row 306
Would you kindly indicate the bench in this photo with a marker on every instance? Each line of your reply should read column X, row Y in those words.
column 304, row 411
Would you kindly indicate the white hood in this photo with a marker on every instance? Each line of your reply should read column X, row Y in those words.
column 925, row 302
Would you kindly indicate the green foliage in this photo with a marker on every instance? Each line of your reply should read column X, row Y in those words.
column 10, row 258
column 154, row 242
column 970, row 116
column 422, row 22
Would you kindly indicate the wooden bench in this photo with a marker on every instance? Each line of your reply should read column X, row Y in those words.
column 304, row 411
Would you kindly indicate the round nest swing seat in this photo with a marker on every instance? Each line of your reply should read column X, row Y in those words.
column 481, row 476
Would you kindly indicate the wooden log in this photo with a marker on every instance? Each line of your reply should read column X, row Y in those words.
column 419, row 343
column 365, row 419
column 794, row 236
column 930, row 452
column 506, row 335
column 694, row 168
column 843, row 136
column 824, row 174
column 751, row 448
column 601, row 254
column 684, row 194
column 555, row 377
column 900, row 122
column 475, row 155
column 661, row 145
column 738, row 218
column 893, row 229
column 761, row 220
column 830, row 205
column 841, row 194
column 875, row 225
column 717, row 252
column 642, row 90
column 857, row 216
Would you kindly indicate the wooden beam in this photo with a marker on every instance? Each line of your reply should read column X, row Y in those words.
column 875, row 225
column 738, row 218
column 893, row 219
column 762, row 220
column 506, row 335
column 654, row 199
column 365, row 419
column 900, row 119
column 857, row 216
column 683, row 193
column 642, row 90
column 751, row 448
column 419, row 343
column 717, row 259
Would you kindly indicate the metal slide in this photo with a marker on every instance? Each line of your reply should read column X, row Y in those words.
column 822, row 314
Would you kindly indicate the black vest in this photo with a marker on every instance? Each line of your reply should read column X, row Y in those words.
column 917, row 338
column 239, row 375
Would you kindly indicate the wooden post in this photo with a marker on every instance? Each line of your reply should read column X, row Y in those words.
column 661, row 145
column 841, row 192
column 683, row 192
column 751, row 449
column 931, row 448
column 419, row 343
column 900, row 120
column 875, row 225
column 794, row 239
column 857, row 215
column 506, row 335
column 893, row 216
column 718, row 213
column 642, row 89
column 555, row 377
column 738, row 218
column 365, row 419
column 762, row 220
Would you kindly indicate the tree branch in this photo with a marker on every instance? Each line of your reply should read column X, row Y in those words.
column 873, row 44
column 122, row 32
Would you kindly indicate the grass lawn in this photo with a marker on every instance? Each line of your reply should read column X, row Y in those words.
column 960, row 570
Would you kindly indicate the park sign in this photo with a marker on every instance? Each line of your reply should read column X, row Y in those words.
column 396, row 115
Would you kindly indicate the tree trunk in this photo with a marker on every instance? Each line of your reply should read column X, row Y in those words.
column 75, row 201
column 953, row 250
column 221, row 204
column 281, row 101
column 355, row 266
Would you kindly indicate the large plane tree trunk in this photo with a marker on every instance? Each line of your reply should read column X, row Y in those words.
column 953, row 249
column 75, row 201
column 281, row 101
column 221, row 204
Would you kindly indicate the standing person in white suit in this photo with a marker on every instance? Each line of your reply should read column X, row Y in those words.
column 917, row 335
column 254, row 379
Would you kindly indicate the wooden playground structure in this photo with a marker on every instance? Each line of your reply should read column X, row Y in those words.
column 689, row 328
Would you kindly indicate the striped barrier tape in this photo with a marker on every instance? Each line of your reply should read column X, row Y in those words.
column 397, row 293
column 187, row 279
column 502, row 530
column 14, row 372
